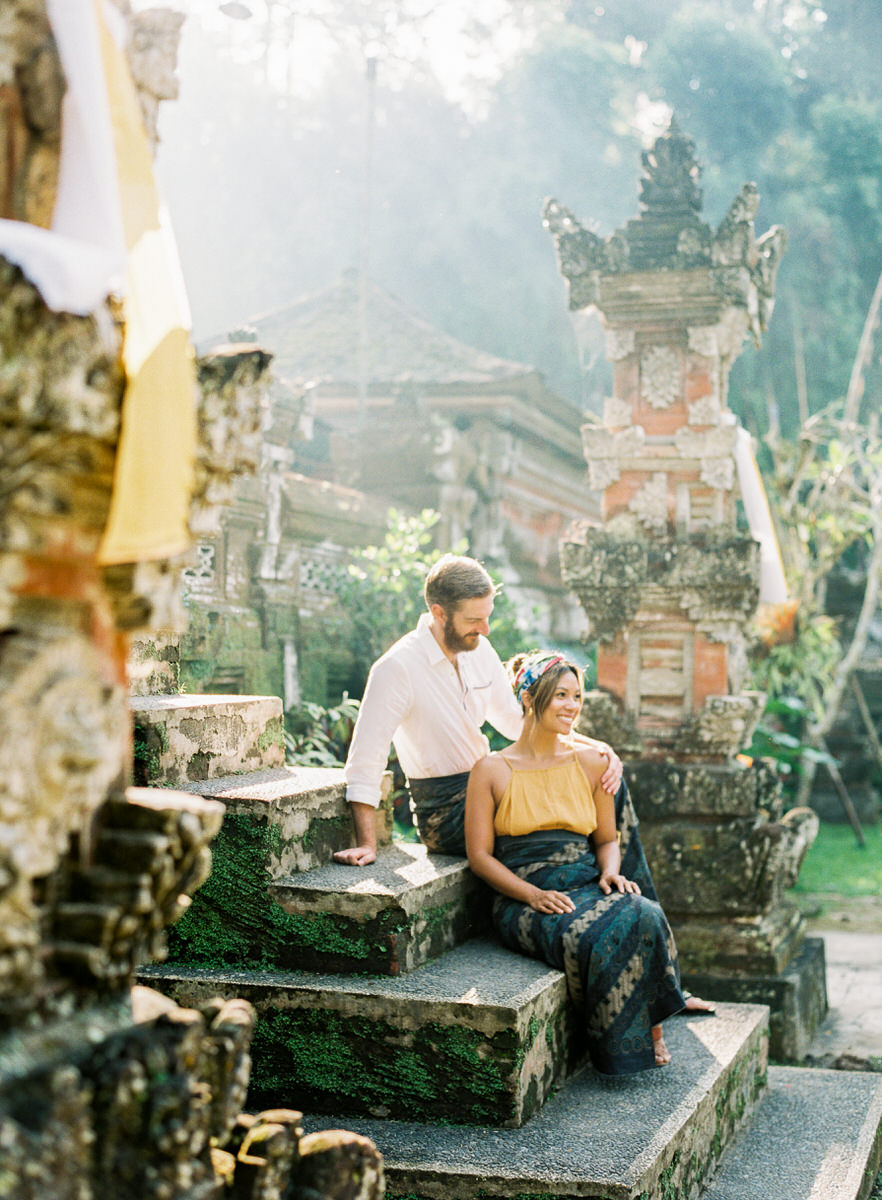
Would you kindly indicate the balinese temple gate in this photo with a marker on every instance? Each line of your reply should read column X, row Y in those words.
column 670, row 582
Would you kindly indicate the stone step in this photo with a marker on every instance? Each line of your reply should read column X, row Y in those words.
column 654, row 1136
column 387, row 918
column 179, row 739
column 277, row 823
column 817, row 1135
column 305, row 807
column 479, row 1036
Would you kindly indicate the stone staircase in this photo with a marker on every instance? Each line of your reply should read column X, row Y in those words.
column 385, row 1006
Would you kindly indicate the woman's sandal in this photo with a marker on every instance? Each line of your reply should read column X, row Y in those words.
column 662, row 1053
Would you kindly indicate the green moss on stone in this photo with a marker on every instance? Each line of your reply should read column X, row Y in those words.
column 324, row 1059
column 233, row 921
column 272, row 735
column 326, row 831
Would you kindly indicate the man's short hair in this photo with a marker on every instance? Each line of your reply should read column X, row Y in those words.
column 455, row 578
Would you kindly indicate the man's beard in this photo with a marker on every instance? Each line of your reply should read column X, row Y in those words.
column 455, row 642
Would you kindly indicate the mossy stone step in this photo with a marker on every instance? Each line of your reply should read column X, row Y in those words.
column 305, row 807
column 480, row 1035
column 387, row 918
column 181, row 739
column 658, row 1135
column 277, row 823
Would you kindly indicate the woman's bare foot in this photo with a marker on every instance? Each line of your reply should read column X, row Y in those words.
column 694, row 1004
column 662, row 1053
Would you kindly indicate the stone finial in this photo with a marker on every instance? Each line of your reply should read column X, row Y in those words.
column 670, row 183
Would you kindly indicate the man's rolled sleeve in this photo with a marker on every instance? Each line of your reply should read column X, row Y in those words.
column 504, row 712
column 385, row 704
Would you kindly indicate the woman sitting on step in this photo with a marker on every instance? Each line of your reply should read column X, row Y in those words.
column 542, row 832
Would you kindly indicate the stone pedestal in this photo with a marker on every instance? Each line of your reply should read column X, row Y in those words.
column 670, row 580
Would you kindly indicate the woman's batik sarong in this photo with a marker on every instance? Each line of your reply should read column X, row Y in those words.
column 617, row 951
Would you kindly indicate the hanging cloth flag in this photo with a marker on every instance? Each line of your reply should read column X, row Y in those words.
column 153, row 478
column 773, row 583
column 110, row 233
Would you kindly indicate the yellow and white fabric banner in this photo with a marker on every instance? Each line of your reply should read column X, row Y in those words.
column 773, row 583
column 109, row 234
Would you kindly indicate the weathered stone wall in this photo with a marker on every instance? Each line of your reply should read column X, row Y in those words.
column 101, row 1092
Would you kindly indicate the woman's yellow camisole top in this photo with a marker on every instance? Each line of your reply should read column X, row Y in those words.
column 557, row 797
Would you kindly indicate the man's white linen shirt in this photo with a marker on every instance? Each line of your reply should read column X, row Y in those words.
column 416, row 700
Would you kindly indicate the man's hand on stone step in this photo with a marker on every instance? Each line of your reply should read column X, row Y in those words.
column 356, row 856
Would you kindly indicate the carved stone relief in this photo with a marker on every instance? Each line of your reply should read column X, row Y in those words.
column 619, row 343
column 718, row 473
column 661, row 377
column 706, row 411
column 703, row 340
column 616, row 413
column 650, row 505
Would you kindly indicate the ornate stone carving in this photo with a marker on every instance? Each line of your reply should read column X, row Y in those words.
column 92, row 1103
column 711, row 443
column 616, row 413
column 650, row 505
column 661, row 376
column 721, row 728
column 671, row 176
column 718, row 473
column 671, row 621
column 619, row 343
column 706, row 411
column 602, row 472
column 64, row 730
column 703, row 340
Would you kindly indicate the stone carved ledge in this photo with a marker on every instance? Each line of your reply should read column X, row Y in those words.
column 711, row 579
column 606, row 575
column 603, row 717
column 722, row 728
column 729, row 868
column 667, row 790
column 712, row 443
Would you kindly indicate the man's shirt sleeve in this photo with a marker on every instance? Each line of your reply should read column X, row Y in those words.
column 503, row 712
column 385, row 704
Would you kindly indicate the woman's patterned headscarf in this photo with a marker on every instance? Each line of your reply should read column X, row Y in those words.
column 532, row 669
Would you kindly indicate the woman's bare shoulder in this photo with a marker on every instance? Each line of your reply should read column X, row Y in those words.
column 490, row 768
column 592, row 762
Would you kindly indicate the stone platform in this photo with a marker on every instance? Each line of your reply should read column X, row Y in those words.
column 815, row 1136
column 479, row 1036
column 656, row 1135
column 797, row 997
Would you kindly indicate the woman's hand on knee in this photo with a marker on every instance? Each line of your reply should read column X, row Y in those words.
column 611, row 881
column 551, row 902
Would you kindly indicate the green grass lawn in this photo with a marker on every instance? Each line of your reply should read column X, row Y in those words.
column 837, row 865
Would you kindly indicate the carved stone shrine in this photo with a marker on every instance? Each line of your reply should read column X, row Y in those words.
column 669, row 581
